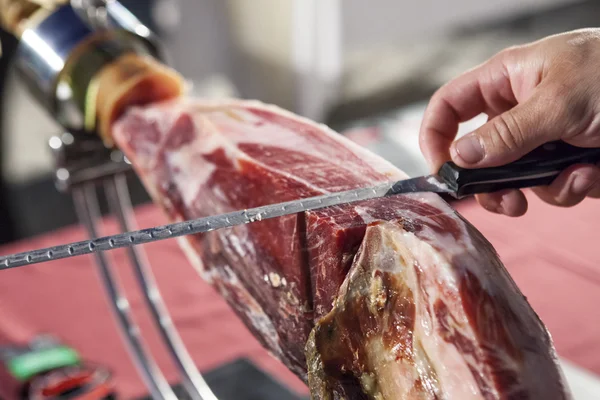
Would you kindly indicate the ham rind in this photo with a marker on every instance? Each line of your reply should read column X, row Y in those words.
column 391, row 298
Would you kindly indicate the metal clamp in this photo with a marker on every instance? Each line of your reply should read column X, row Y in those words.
column 58, row 57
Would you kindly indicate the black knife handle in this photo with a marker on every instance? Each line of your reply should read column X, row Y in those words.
column 538, row 168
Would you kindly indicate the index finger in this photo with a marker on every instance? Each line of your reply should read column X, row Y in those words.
column 483, row 89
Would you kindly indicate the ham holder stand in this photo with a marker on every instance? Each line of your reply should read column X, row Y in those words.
column 83, row 163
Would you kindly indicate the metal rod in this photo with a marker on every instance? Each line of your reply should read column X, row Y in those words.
column 119, row 200
column 87, row 209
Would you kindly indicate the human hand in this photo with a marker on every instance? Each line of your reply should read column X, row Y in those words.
column 532, row 94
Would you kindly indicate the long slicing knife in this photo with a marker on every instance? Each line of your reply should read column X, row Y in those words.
column 538, row 168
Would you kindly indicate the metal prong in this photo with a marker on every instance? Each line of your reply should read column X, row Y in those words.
column 120, row 203
column 86, row 205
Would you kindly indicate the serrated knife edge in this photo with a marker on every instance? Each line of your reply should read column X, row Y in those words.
column 221, row 221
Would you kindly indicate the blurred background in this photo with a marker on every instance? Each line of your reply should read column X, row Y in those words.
column 367, row 69
column 346, row 63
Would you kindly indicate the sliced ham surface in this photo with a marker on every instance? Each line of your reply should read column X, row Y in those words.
column 392, row 298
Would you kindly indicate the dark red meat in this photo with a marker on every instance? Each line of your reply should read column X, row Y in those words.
column 395, row 298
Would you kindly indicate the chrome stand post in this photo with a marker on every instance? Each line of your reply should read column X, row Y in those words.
column 86, row 205
column 80, row 174
column 119, row 200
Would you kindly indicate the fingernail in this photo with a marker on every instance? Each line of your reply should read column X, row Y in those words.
column 583, row 183
column 468, row 149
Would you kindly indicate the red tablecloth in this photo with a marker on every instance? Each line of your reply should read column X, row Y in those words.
column 553, row 254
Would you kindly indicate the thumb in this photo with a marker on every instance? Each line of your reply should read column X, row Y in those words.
column 510, row 135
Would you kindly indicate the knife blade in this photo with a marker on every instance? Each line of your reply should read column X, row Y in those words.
column 540, row 167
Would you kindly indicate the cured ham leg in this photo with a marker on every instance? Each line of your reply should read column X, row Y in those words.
column 392, row 298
